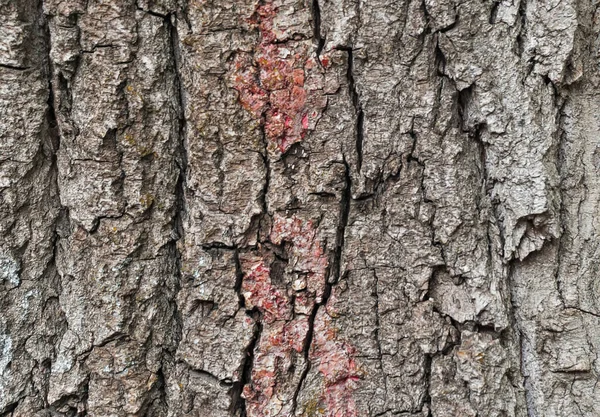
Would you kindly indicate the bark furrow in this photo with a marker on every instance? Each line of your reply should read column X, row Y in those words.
column 336, row 208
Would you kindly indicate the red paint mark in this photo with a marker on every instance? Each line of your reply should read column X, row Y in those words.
column 273, row 360
column 252, row 97
column 338, row 367
column 273, row 83
column 298, row 77
column 307, row 254
column 305, row 121
column 282, row 335
column 310, row 63
column 258, row 292
column 286, row 325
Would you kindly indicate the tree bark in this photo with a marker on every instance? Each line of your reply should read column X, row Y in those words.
column 335, row 208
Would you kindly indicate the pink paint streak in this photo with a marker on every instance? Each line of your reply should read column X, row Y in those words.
column 258, row 292
column 338, row 367
column 307, row 255
column 273, row 83
column 284, row 333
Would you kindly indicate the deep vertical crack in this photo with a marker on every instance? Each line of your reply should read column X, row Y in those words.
column 522, row 20
column 331, row 280
column 427, row 376
column 560, row 158
column 342, row 224
column 463, row 102
column 182, row 154
column 316, row 15
column 493, row 12
column 360, row 117
column 239, row 278
column 181, row 159
column 267, row 166
column 51, row 148
column 238, row 402
column 51, row 120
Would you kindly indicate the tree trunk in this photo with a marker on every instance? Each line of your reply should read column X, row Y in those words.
column 335, row 208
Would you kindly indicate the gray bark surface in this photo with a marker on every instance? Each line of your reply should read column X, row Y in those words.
column 335, row 208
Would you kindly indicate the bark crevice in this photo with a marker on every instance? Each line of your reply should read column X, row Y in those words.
column 316, row 16
column 358, row 109
column 238, row 402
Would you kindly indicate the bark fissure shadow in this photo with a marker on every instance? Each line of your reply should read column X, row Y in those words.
column 358, row 109
column 316, row 15
column 333, row 277
column 238, row 402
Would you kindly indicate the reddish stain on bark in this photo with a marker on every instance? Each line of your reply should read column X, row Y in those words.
column 335, row 357
column 252, row 96
column 307, row 256
column 282, row 336
column 272, row 83
column 286, row 314
column 258, row 292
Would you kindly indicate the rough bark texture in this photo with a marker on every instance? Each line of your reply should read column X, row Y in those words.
column 335, row 208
